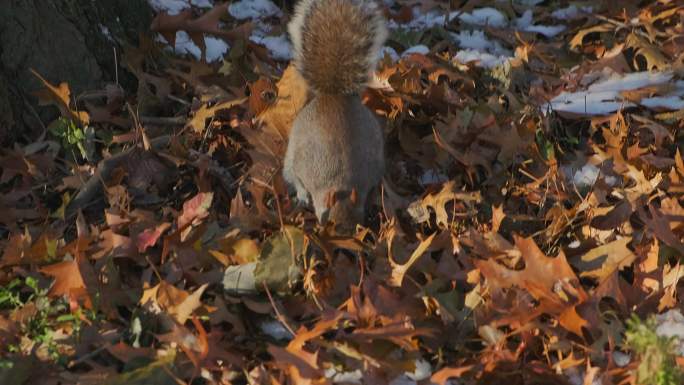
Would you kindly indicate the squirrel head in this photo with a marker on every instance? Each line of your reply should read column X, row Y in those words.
column 344, row 209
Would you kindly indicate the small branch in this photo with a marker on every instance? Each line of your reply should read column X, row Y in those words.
column 94, row 185
column 164, row 121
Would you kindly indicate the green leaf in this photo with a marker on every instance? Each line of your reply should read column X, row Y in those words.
column 277, row 266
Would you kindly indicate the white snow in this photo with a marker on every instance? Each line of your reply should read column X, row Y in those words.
column 631, row 81
column 586, row 176
column 477, row 40
column 253, row 9
column 483, row 16
column 483, row 59
column 279, row 46
column 421, row 20
column 426, row 20
column 477, row 47
column 671, row 324
column 216, row 48
column 419, row 49
column 105, row 31
column 576, row 376
column 672, row 102
column 603, row 96
column 432, row 176
column 389, row 51
column 524, row 23
column 423, row 370
column 571, row 12
column 174, row 7
column 348, row 377
column 621, row 359
column 275, row 330
column 486, row 16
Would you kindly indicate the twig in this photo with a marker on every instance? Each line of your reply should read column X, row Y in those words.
column 86, row 356
column 94, row 185
column 163, row 120
column 279, row 315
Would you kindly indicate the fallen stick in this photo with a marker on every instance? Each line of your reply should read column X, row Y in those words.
column 104, row 169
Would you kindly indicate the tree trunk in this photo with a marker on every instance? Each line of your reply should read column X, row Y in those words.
column 71, row 41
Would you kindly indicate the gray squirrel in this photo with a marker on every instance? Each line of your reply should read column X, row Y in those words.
column 335, row 153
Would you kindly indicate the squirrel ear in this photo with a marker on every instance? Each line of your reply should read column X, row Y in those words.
column 354, row 196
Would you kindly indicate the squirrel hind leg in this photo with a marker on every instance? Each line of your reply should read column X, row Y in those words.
column 294, row 185
column 321, row 204
column 302, row 194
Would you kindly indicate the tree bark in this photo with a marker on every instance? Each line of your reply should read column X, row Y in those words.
column 71, row 41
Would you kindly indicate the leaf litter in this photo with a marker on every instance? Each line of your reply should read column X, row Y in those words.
column 532, row 204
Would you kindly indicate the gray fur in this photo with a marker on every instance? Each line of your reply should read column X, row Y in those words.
column 335, row 144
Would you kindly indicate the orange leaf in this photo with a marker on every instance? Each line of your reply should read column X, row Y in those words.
column 398, row 271
column 60, row 97
column 68, row 281
column 442, row 376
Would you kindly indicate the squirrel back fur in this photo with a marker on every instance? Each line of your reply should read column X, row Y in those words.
column 337, row 43
column 335, row 151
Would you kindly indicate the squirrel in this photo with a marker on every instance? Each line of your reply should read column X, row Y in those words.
column 335, row 152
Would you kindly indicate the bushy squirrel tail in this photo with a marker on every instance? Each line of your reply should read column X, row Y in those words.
column 337, row 43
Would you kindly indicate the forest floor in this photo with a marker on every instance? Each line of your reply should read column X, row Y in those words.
column 530, row 229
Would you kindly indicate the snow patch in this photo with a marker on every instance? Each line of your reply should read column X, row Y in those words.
column 671, row 324
column 576, row 376
column 253, row 9
column 215, row 48
column 603, row 96
column 621, row 359
column 389, row 51
column 419, row 49
column 571, row 12
column 105, row 31
column 174, row 7
column 349, row 377
column 423, row 370
column 524, row 23
column 672, row 102
column 279, row 46
column 275, row 330
column 484, row 16
column 432, row 177
column 478, row 48
column 477, row 40
column 586, row 176
column 483, row 59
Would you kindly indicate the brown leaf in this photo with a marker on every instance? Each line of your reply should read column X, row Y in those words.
column 550, row 281
column 578, row 39
column 150, row 236
column 437, row 202
column 442, row 376
column 167, row 25
column 196, row 208
column 649, row 52
column 614, row 218
column 60, row 96
column 292, row 94
column 262, row 95
column 68, row 281
column 199, row 119
column 398, row 271
column 176, row 302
